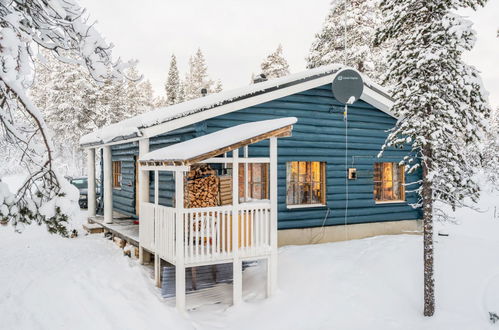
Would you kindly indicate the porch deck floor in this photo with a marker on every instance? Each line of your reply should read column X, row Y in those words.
column 121, row 227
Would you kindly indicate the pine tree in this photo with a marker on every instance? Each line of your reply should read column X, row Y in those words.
column 197, row 78
column 172, row 86
column 439, row 100
column 138, row 96
column 489, row 150
column 75, row 105
column 362, row 19
column 275, row 65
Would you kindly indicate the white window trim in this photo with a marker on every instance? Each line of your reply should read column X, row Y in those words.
column 398, row 201
column 303, row 206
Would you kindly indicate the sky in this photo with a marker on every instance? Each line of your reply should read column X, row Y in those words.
column 236, row 35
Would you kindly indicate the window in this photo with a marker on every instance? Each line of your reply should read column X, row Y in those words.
column 306, row 183
column 258, row 181
column 388, row 182
column 117, row 175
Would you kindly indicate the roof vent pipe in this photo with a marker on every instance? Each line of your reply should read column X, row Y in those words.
column 260, row 78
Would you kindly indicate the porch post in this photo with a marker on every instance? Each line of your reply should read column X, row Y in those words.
column 157, row 259
column 143, row 187
column 272, row 263
column 108, row 185
column 179, row 241
column 91, row 182
column 237, row 265
column 246, row 174
column 143, row 175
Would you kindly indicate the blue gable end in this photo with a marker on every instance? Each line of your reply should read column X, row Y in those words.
column 319, row 135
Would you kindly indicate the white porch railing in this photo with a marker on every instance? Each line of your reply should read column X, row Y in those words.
column 164, row 237
column 146, row 225
column 207, row 232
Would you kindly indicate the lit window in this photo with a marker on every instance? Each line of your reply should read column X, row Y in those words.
column 306, row 183
column 117, row 175
column 388, row 182
column 257, row 184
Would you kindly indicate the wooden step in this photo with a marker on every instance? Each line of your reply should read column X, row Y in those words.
column 93, row 228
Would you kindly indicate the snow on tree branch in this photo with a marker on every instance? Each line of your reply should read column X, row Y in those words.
column 61, row 27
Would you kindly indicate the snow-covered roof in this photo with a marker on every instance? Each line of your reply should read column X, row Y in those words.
column 226, row 139
column 165, row 119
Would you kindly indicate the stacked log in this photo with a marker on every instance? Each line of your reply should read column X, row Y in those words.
column 226, row 190
column 202, row 188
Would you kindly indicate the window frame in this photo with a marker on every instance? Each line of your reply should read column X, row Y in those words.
column 264, row 169
column 401, row 175
column 117, row 177
column 322, row 182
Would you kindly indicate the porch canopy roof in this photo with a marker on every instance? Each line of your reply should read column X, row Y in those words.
column 210, row 145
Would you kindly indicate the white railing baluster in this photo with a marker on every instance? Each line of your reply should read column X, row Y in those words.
column 197, row 234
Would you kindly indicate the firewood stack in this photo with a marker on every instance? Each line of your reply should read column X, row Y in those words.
column 202, row 187
column 226, row 190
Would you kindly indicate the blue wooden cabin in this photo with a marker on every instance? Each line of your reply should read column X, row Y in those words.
column 322, row 184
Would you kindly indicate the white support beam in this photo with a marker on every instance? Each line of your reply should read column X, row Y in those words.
column 164, row 168
column 237, row 265
column 272, row 264
column 156, row 188
column 246, row 176
column 179, row 242
column 91, row 196
column 143, row 195
column 143, row 175
column 108, row 185
column 223, row 160
column 157, row 260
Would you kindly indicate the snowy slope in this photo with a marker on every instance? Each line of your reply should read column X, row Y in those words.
column 48, row 282
column 52, row 283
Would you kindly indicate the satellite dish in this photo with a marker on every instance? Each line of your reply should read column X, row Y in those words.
column 347, row 86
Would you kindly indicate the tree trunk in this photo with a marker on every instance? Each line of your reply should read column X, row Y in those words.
column 427, row 194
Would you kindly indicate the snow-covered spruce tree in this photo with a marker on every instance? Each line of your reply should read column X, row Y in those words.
column 362, row 17
column 138, row 95
column 74, row 104
column 440, row 102
column 489, row 150
column 58, row 26
column 65, row 94
column 197, row 78
column 172, row 85
column 275, row 65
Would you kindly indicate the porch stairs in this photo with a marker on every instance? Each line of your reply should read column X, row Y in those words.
column 199, row 278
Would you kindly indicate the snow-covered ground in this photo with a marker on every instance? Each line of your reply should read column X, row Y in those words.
column 47, row 282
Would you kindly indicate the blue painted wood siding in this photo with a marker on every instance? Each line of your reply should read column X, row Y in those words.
column 124, row 198
column 319, row 135
column 166, row 179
